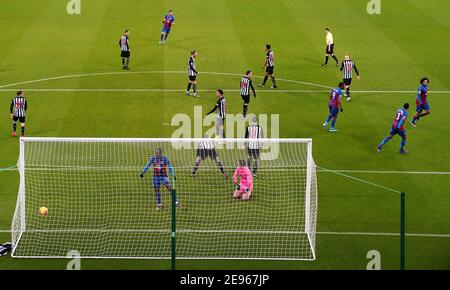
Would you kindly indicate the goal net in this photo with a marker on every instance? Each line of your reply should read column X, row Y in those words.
column 99, row 205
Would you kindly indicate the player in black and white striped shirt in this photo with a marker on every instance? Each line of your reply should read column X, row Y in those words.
column 269, row 65
column 206, row 149
column 18, row 109
column 246, row 85
column 221, row 109
column 125, row 49
column 192, row 74
column 254, row 132
column 347, row 67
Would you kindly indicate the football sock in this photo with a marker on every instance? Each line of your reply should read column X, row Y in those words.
column 348, row 92
column 220, row 167
column 402, row 144
column 265, row 80
column 22, row 129
column 158, row 197
column 195, row 88
column 328, row 119
column 255, row 168
column 333, row 123
column 123, row 61
column 335, row 58
column 197, row 164
column 161, row 39
column 245, row 109
column 326, row 59
column 14, row 127
column 384, row 141
column 273, row 81
column 189, row 87
column 165, row 36
column 127, row 62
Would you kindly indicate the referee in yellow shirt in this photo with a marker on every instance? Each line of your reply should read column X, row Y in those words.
column 330, row 48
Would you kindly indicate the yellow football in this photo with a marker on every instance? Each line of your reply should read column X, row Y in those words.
column 43, row 211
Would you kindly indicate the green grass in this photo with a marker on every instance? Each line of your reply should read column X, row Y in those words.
column 393, row 51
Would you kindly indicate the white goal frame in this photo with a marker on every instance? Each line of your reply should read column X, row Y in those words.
column 19, row 223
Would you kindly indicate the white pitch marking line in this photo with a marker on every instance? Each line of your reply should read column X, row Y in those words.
column 145, row 72
column 388, row 171
column 210, row 73
column 202, row 90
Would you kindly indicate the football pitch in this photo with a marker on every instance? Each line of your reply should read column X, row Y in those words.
column 70, row 70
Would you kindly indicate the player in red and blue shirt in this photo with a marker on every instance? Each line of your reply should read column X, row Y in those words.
column 334, row 105
column 161, row 165
column 397, row 128
column 421, row 101
column 168, row 21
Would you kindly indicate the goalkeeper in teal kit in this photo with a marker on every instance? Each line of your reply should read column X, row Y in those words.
column 161, row 164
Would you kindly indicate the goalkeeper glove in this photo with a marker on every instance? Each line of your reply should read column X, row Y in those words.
column 142, row 174
column 238, row 187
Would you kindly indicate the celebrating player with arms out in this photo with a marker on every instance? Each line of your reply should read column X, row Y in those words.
column 397, row 128
column 161, row 165
column 245, row 186
column 334, row 105
column 421, row 101
column 168, row 21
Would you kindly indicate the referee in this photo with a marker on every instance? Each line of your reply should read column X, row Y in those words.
column 330, row 47
column 246, row 85
column 220, row 107
column 347, row 67
column 206, row 149
column 254, row 131
column 125, row 49
column 18, row 109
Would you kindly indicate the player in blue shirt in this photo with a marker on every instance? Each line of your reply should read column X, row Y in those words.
column 334, row 105
column 161, row 165
column 421, row 101
column 168, row 21
column 397, row 128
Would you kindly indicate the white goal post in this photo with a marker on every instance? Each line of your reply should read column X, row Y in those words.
column 99, row 204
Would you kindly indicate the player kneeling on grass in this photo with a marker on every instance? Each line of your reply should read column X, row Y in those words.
column 245, row 186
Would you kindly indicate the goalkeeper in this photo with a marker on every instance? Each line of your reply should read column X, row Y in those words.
column 244, row 189
column 160, row 166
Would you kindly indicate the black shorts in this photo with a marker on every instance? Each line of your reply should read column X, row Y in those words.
column 253, row 153
column 205, row 153
column 347, row 82
column 330, row 49
column 125, row 54
column 21, row 119
column 192, row 78
column 269, row 69
column 246, row 99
